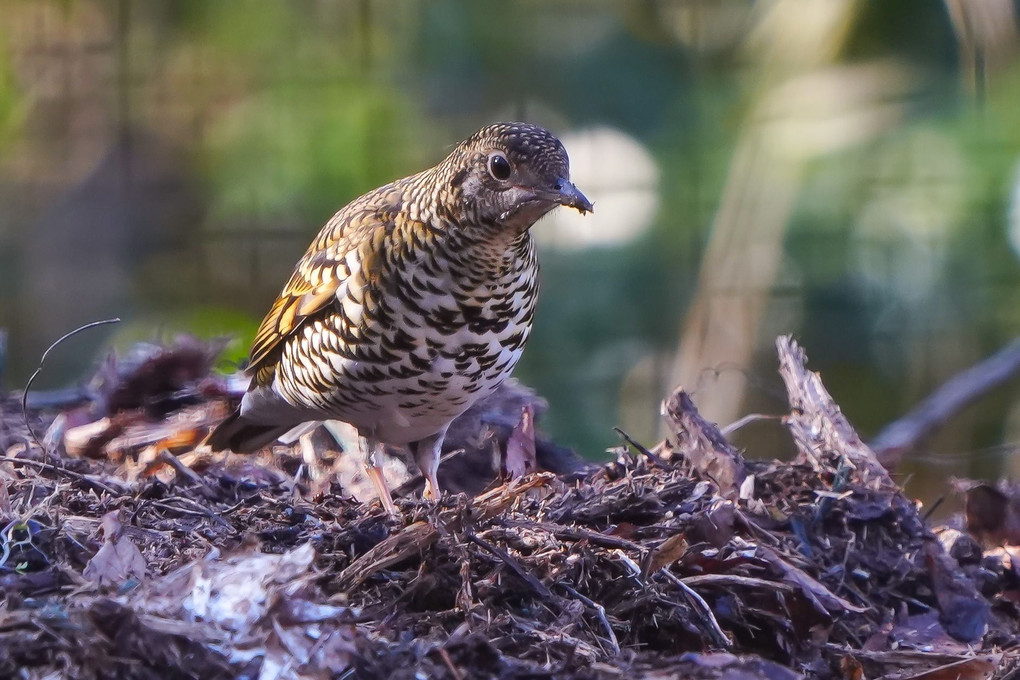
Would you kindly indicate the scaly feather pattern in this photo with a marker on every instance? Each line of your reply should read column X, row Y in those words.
column 415, row 300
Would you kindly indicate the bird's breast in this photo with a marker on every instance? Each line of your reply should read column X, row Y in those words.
column 417, row 351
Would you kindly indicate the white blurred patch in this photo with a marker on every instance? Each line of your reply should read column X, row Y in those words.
column 619, row 176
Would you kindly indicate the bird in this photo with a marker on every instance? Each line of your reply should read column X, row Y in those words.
column 414, row 301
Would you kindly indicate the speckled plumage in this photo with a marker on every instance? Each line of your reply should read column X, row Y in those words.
column 414, row 300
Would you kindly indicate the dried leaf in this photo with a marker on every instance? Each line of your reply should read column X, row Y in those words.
column 851, row 668
column 747, row 488
column 665, row 554
column 520, row 447
column 157, row 378
column 992, row 516
column 703, row 443
column 118, row 559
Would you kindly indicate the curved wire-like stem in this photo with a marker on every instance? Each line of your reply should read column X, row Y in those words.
column 38, row 370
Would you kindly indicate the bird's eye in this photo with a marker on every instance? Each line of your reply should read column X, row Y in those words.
column 499, row 167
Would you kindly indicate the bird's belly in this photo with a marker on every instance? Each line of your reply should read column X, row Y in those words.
column 415, row 408
column 403, row 396
column 401, row 409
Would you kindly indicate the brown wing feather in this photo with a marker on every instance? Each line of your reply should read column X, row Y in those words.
column 323, row 269
column 300, row 299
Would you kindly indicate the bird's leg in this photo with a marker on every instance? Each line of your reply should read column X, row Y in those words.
column 426, row 453
column 375, row 474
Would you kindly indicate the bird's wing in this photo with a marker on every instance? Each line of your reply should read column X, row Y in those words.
column 345, row 253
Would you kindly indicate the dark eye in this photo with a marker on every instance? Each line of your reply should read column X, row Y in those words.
column 499, row 167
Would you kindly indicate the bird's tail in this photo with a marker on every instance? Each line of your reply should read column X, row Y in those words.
column 241, row 436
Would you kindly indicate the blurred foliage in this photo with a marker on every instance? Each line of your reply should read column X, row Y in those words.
column 206, row 323
column 897, row 266
column 13, row 107
column 284, row 154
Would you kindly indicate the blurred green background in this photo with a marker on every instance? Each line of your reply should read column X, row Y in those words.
column 845, row 171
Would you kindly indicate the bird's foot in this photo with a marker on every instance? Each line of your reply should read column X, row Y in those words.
column 432, row 492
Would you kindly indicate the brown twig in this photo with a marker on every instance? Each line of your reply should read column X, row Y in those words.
column 198, row 511
column 703, row 444
column 88, row 479
column 576, row 534
column 820, row 431
column 600, row 612
column 540, row 588
column 699, row 603
column 408, row 541
column 637, row 445
column 445, row 656
column 184, row 471
column 904, row 434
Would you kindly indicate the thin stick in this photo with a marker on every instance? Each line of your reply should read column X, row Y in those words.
column 747, row 420
column 706, row 611
column 38, row 370
column 445, row 656
column 184, row 471
column 62, row 471
column 639, row 447
column 600, row 612
column 514, row 565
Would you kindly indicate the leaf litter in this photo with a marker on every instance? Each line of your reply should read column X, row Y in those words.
column 126, row 550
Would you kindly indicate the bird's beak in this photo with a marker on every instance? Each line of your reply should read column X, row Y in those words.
column 565, row 193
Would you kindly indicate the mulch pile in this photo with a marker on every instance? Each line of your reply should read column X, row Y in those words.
column 128, row 551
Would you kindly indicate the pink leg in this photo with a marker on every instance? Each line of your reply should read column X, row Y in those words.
column 426, row 453
column 375, row 475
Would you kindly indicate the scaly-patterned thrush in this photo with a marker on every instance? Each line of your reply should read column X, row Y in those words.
column 413, row 302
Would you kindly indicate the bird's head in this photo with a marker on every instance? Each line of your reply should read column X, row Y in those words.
column 510, row 174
